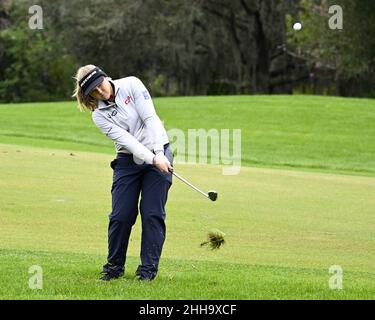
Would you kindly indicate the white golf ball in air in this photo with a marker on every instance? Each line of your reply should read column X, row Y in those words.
column 297, row 26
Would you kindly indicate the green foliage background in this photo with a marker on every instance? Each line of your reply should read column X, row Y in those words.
column 197, row 47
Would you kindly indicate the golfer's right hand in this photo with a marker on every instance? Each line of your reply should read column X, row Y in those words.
column 162, row 163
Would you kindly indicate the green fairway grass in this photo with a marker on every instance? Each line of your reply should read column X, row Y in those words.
column 324, row 133
column 284, row 229
column 303, row 202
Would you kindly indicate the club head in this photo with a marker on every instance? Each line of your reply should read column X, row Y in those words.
column 212, row 195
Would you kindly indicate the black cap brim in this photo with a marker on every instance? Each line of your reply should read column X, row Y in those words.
column 93, row 85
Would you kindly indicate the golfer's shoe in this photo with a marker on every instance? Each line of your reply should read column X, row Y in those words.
column 145, row 276
column 111, row 272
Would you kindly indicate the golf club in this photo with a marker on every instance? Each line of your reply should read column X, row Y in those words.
column 212, row 195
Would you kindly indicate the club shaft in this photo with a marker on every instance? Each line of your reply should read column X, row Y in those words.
column 189, row 184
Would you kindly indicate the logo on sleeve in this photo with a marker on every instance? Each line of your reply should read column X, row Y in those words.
column 146, row 95
column 128, row 99
column 112, row 114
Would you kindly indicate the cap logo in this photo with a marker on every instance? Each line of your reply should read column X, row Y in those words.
column 88, row 78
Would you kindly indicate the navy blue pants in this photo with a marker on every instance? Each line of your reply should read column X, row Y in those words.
column 131, row 181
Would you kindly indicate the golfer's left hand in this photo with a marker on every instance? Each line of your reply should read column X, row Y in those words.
column 162, row 163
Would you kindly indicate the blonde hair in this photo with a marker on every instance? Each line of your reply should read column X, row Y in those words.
column 84, row 102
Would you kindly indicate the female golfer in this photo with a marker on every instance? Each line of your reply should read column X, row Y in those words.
column 123, row 110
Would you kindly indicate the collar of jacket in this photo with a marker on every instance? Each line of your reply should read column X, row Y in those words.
column 111, row 104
